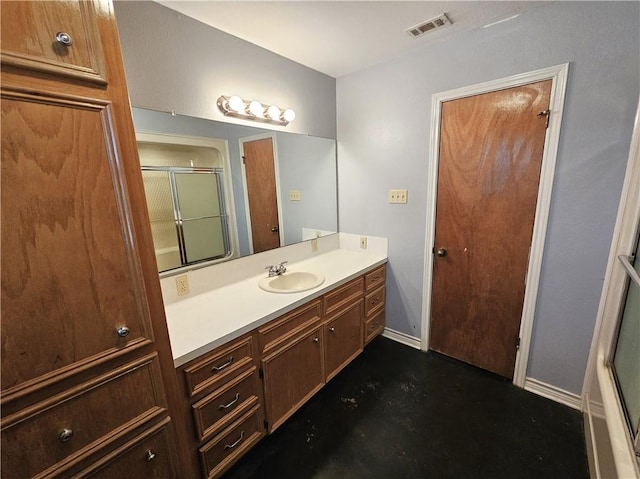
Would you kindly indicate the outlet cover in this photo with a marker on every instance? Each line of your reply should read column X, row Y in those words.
column 398, row 196
column 182, row 284
column 294, row 195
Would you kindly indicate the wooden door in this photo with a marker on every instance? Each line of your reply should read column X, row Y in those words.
column 261, row 192
column 491, row 149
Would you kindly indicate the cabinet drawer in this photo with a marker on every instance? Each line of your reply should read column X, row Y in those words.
column 89, row 416
column 215, row 411
column 219, row 453
column 342, row 296
column 375, row 278
column 280, row 330
column 148, row 455
column 219, row 366
column 374, row 301
column 374, row 326
column 41, row 50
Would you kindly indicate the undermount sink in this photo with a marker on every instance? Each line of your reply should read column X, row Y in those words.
column 291, row 282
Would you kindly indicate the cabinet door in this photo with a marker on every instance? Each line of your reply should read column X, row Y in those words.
column 72, row 290
column 343, row 338
column 292, row 375
column 62, row 38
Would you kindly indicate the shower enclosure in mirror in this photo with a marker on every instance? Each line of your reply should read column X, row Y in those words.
column 206, row 210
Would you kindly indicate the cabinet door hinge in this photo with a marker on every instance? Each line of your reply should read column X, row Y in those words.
column 261, row 373
column 517, row 344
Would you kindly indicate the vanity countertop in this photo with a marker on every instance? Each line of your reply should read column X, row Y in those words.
column 201, row 323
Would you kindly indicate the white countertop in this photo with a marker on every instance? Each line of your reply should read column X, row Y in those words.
column 201, row 323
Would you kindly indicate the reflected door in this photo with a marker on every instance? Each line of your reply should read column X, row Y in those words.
column 491, row 149
column 261, row 193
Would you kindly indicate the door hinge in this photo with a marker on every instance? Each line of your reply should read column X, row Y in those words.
column 261, row 373
column 546, row 114
column 517, row 344
column 244, row 160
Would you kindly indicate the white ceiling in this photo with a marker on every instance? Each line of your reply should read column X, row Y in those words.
column 341, row 37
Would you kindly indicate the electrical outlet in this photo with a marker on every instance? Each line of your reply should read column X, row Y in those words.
column 182, row 284
column 398, row 196
column 294, row 195
column 314, row 245
column 363, row 242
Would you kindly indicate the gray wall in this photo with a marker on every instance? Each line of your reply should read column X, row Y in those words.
column 383, row 143
column 176, row 63
column 309, row 165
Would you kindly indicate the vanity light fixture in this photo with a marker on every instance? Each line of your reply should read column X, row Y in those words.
column 254, row 110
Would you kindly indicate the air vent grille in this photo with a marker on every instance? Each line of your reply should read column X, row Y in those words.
column 429, row 25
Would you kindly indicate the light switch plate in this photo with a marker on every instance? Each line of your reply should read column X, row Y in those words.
column 398, row 196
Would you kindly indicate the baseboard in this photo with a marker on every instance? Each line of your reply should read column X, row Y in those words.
column 402, row 338
column 554, row 393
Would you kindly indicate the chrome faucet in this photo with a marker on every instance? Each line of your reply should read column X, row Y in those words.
column 276, row 270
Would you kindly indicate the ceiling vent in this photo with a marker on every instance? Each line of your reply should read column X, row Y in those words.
column 429, row 25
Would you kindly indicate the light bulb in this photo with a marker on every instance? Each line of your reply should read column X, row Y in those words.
column 273, row 112
column 289, row 115
column 256, row 108
column 236, row 104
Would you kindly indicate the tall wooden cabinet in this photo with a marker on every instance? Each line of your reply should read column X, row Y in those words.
column 88, row 384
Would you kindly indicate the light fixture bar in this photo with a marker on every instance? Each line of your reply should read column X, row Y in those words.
column 254, row 110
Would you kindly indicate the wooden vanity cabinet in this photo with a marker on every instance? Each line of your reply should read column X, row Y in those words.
column 343, row 338
column 374, row 303
column 86, row 362
column 224, row 395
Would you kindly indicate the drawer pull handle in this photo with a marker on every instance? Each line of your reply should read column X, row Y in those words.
column 231, row 446
column 66, row 434
column 227, row 406
column 315, row 340
column 222, row 366
column 150, row 455
column 123, row 331
column 332, row 329
column 64, row 39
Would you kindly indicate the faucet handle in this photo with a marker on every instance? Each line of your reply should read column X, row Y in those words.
column 281, row 269
column 272, row 270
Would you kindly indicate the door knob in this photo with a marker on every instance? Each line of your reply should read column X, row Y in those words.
column 442, row 252
column 274, row 229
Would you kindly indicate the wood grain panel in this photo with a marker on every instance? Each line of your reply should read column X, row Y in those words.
column 490, row 158
column 40, row 51
column 343, row 338
column 292, row 375
column 280, row 330
column 68, row 263
column 375, row 278
column 374, row 326
column 30, row 439
column 219, row 453
column 343, row 295
column 212, row 370
column 261, row 187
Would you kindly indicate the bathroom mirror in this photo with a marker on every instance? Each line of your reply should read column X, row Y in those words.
column 304, row 182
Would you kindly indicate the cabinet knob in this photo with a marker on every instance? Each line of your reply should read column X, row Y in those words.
column 332, row 329
column 123, row 331
column 150, row 455
column 315, row 340
column 64, row 39
column 65, row 434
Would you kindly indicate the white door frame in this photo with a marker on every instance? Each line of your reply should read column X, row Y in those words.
column 276, row 168
column 558, row 74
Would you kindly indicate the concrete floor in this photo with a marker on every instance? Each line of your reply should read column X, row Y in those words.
column 396, row 412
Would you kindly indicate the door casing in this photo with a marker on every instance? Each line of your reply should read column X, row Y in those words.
column 558, row 74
